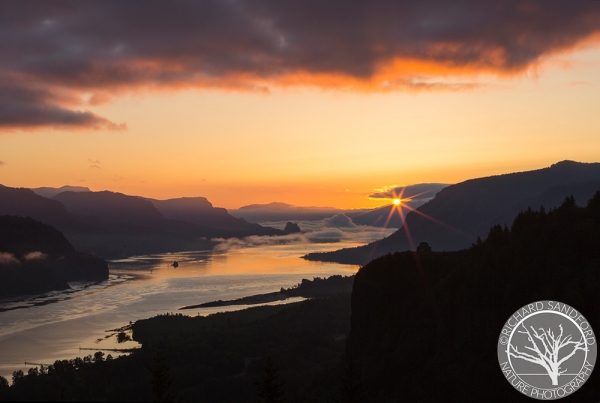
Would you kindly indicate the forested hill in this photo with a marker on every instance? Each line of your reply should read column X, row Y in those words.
column 36, row 258
column 425, row 326
column 460, row 213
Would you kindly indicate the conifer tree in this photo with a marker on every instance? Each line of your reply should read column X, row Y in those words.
column 351, row 388
column 161, row 379
column 270, row 388
column 3, row 383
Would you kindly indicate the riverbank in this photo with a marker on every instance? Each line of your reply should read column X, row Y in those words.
column 317, row 287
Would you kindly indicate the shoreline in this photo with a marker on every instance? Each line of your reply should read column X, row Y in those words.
column 315, row 288
column 249, row 300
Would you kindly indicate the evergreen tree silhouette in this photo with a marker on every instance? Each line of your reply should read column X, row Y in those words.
column 351, row 389
column 3, row 384
column 161, row 379
column 270, row 388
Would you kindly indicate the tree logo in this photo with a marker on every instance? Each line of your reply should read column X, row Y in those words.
column 547, row 350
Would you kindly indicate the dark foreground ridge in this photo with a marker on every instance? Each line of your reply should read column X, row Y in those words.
column 425, row 326
column 36, row 258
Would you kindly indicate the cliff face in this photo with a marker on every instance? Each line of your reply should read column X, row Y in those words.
column 111, row 207
column 425, row 326
column 198, row 210
column 36, row 258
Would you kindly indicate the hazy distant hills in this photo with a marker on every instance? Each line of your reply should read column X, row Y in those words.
column 460, row 213
column 110, row 207
column 36, row 257
column 24, row 202
column 413, row 196
column 115, row 225
column 378, row 217
column 50, row 192
column 198, row 210
column 278, row 211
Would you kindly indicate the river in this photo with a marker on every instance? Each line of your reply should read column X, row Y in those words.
column 45, row 328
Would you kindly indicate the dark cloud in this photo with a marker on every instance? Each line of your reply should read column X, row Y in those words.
column 1, row 163
column 26, row 108
column 60, row 56
column 421, row 191
column 91, row 161
column 95, row 166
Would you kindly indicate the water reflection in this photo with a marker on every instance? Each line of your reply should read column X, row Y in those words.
column 76, row 288
column 54, row 325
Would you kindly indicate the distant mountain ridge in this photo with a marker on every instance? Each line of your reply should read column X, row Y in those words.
column 50, row 192
column 110, row 206
column 25, row 203
column 198, row 210
column 419, row 194
column 278, row 211
column 270, row 206
column 462, row 212
column 114, row 225
column 380, row 217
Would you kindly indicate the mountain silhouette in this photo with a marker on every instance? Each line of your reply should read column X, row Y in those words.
column 268, row 206
column 50, row 192
column 278, row 211
column 381, row 217
column 198, row 210
column 111, row 207
column 462, row 212
column 25, row 203
column 291, row 228
column 114, row 225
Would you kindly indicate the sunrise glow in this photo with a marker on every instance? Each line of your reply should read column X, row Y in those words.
column 288, row 122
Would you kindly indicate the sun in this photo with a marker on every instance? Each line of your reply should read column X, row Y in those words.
column 397, row 202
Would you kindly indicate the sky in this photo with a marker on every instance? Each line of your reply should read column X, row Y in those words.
column 307, row 103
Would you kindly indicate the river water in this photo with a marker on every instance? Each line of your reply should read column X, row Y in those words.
column 45, row 328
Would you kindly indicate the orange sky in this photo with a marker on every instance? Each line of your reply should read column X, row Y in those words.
column 316, row 141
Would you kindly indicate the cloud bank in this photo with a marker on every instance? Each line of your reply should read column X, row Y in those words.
column 8, row 259
column 57, row 58
column 37, row 255
column 335, row 229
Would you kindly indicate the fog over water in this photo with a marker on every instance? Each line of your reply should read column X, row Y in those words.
column 53, row 326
